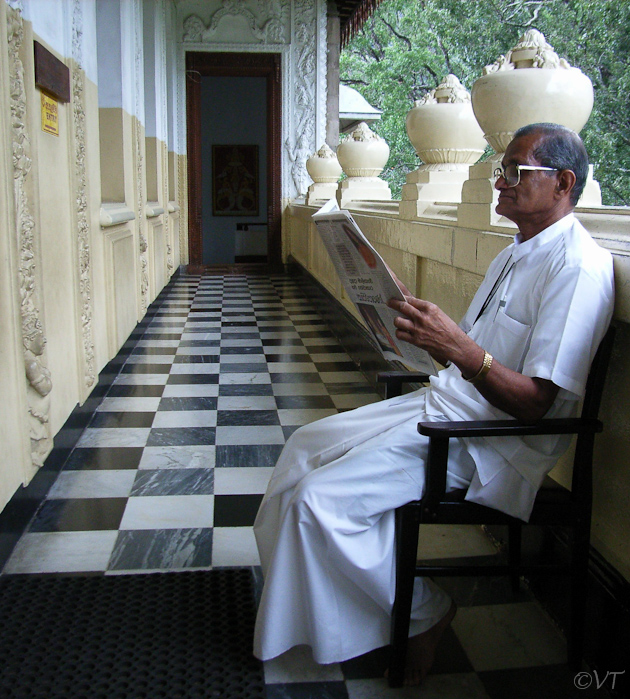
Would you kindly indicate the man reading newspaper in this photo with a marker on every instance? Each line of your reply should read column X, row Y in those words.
column 325, row 529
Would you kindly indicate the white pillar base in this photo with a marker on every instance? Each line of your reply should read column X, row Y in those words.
column 321, row 191
column 428, row 185
column 363, row 189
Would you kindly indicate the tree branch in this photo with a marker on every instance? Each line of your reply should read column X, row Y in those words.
column 395, row 33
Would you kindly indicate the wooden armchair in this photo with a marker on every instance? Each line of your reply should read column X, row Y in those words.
column 555, row 506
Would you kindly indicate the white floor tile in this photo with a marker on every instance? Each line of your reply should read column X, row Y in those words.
column 244, row 378
column 185, row 418
column 234, row 546
column 114, row 437
column 292, row 368
column 93, row 484
column 187, row 390
column 246, row 403
column 141, row 404
column 169, row 512
column 302, row 416
column 263, row 434
column 193, row 456
column 55, row 552
column 297, row 665
column 299, row 389
column 141, row 379
column 502, row 636
column 244, row 480
column 199, row 368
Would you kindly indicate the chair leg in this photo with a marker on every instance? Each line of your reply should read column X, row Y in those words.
column 514, row 554
column 579, row 584
column 407, row 523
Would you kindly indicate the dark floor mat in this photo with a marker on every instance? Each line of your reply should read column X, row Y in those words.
column 163, row 635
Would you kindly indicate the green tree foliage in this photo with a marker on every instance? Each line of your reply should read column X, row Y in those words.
column 409, row 46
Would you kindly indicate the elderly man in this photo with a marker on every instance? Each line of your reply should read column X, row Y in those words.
column 325, row 529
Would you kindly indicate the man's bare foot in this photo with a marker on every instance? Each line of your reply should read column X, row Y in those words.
column 421, row 650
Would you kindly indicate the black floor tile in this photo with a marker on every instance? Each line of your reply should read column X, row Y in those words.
column 146, row 369
column 157, row 549
column 135, row 391
column 104, row 458
column 243, row 367
column 180, row 436
column 192, row 379
column 238, row 389
column 184, row 403
column 150, row 351
column 234, row 418
column 122, row 419
column 307, row 690
column 89, row 514
column 288, row 402
column 196, row 358
column 544, row 682
column 296, row 377
column 236, row 510
column 185, row 481
column 237, row 456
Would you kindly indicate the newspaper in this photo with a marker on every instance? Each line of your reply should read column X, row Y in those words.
column 369, row 284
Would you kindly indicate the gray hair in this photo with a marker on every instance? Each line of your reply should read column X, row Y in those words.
column 562, row 149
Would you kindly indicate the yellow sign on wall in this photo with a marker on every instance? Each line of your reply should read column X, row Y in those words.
column 50, row 115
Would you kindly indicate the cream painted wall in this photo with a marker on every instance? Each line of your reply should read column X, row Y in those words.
column 444, row 262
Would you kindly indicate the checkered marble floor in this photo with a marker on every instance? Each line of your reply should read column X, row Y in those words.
column 170, row 472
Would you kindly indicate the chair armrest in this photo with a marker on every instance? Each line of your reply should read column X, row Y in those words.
column 394, row 380
column 498, row 428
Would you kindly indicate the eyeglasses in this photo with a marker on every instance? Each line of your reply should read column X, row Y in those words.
column 512, row 172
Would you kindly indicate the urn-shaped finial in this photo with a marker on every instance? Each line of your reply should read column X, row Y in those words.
column 442, row 126
column 530, row 84
column 364, row 153
column 323, row 165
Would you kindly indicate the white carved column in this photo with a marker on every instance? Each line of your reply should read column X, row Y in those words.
column 529, row 84
column 362, row 157
column 325, row 171
column 36, row 373
column 443, row 130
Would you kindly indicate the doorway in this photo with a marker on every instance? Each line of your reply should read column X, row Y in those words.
column 234, row 131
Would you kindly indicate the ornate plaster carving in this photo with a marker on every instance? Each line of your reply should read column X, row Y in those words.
column 38, row 379
column 143, row 244
column 268, row 22
column 449, row 91
column 81, row 194
column 301, row 143
column 532, row 51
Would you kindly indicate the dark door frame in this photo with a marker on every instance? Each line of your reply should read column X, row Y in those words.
column 265, row 65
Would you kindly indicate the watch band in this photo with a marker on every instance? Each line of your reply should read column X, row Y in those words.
column 485, row 368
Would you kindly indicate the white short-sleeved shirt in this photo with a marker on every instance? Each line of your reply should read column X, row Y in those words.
column 546, row 319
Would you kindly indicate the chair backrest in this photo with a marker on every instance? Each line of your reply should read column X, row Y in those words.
column 582, row 480
column 597, row 375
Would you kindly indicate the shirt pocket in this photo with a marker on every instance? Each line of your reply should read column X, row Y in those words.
column 510, row 340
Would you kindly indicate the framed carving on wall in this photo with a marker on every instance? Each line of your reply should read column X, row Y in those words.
column 235, row 180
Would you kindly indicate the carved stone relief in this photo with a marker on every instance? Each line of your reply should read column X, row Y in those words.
column 268, row 22
column 302, row 113
column 139, row 92
column 38, row 379
column 81, row 195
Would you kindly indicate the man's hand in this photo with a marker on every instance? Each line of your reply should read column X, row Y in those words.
column 425, row 325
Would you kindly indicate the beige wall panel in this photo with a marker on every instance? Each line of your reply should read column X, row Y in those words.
column 158, row 241
column 123, row 271
column 152, row 149
column 174, row 226
column 111, row 146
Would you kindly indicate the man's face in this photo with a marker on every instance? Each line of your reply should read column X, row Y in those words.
column 533, row 197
